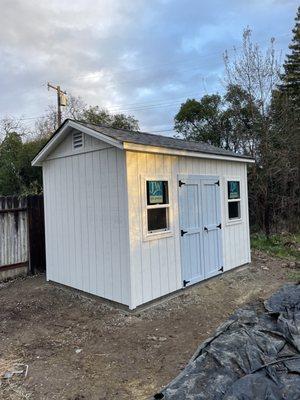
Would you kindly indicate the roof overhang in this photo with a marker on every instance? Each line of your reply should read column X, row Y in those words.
column 62, row 132
column 70, row 125
column 186, row 153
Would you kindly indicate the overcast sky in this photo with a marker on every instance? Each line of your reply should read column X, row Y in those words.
column 143, row 57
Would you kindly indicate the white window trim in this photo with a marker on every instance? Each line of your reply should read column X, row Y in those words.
column 145, row 207
column 233, row 221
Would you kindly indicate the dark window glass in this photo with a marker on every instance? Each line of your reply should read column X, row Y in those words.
column 234, row 209
column 157, row 192
column 233, row 189
column 157, row 219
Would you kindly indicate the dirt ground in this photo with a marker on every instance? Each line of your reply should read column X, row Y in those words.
column 79, row 348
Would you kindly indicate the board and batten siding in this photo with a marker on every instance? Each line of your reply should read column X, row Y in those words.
column 155, row 264
column 86, row 218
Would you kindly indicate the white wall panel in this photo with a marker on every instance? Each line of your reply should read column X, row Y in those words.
column 87, row 243
column 155, row 264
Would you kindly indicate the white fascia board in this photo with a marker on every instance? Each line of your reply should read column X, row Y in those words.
column 42, row 155
column 186, row 153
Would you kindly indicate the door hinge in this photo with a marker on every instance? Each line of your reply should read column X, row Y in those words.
column 221, row 269
column 219, row 226
column 182, row 232
column 185, row 283
column 217, row 183
column 180, row 183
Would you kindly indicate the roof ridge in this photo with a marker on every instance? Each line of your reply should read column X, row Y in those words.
column 147, row 133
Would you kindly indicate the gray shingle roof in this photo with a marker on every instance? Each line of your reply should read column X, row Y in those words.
column 149, row 139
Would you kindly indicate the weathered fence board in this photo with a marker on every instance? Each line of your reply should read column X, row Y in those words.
column 22, row 248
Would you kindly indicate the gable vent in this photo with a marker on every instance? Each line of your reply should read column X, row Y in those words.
column 77, row 140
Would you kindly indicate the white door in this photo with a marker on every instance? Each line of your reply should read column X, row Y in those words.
column 200, row 228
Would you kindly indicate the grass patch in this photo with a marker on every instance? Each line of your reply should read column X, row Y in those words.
column 282, row 245
column 294, row 276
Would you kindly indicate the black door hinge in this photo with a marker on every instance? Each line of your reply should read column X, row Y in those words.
column 180, row 183
column 219, row 226
column 217, row 183
column 221, row 269
column 185, row 283
column 182, row 232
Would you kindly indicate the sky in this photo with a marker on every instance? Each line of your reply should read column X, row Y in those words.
column 140, row 57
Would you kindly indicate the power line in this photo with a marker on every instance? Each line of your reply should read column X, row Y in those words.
column 146, row 106
column 115, row 109
column 154, row 102
column 162, row 130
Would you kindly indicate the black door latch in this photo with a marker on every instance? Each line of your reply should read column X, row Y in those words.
column 185, row 283
column 182, row 232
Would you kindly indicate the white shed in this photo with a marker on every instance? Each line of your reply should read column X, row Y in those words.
column 132, row 216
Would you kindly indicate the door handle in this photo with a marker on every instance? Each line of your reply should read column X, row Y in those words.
column 182, row 232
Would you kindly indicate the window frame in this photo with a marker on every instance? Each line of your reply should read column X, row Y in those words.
column 238, row 220
column 161, row 233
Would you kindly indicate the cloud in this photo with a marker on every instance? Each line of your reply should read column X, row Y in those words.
column 143, row 56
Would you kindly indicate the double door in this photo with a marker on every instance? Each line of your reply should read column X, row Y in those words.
column 200, row 228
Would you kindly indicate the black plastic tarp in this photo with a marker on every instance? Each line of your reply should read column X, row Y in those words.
column 255, row 354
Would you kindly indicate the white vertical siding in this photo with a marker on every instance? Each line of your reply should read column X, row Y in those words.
column 87, row 243
column 155, row 264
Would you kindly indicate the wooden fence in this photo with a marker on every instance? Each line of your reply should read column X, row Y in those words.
column 22, row 237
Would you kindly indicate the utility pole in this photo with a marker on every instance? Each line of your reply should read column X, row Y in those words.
column 61, row 101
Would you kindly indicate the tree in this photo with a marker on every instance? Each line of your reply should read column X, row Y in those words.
column 285, row 115
column 17, row 149
column 222, row 121
column 80, row 111
column 17, row 176
column 99, row 116
column 240, row 118
column 31, row 177
column 200, row 120
column 290, row 84
column 257, row 74
column 10, row 153
column 18, row 145
column 253, row 118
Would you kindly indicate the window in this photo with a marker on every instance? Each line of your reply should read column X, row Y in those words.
column 157, row 206
column 234, row 200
